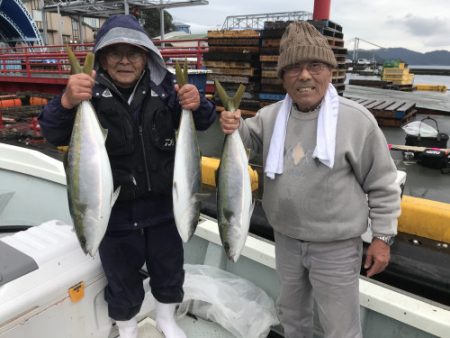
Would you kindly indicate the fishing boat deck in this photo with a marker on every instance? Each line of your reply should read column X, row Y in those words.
column 192, row 326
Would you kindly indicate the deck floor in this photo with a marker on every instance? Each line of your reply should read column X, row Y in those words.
column 193, row 327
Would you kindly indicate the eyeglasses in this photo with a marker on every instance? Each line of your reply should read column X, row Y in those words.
column 133, row 54
column 313, row 68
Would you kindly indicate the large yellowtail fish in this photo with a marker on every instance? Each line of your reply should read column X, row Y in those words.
column 234, row 192
column 187, row 177
column 90, row 185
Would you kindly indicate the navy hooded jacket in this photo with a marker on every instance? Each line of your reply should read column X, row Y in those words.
column 140, row 155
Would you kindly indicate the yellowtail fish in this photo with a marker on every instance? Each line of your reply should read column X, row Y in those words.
column 90, row 185
column 187, row 178
column 234, row 192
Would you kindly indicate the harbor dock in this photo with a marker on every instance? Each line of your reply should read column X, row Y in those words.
column 429, row 71
column 425, row 102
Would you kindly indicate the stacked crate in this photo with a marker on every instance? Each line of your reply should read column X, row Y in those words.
column 233, row 59
column 271, row 86
column 398, row 73
column 335, row 37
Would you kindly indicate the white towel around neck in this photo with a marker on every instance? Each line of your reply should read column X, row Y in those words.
column 325, row 139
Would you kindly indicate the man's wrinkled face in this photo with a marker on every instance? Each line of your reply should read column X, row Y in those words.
column 124, row 63
column 307, row 83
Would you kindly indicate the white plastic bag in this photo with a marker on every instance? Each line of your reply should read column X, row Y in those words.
column 426, row 130
column 238, row 305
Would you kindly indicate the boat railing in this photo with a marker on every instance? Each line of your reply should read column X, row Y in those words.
column 30, row 63
column 190, row 50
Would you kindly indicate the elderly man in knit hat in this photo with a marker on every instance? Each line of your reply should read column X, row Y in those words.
column 136, row 99
column 327, row 170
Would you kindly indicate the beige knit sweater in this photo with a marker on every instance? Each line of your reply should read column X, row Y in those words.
column 312, row 202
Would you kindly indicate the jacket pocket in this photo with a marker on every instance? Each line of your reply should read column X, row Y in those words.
column 162, row 133
column 119, row 139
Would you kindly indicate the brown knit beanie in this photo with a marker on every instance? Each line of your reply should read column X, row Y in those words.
column 302, row 42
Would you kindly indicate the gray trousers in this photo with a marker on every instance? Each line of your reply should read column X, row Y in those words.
column 324, row 274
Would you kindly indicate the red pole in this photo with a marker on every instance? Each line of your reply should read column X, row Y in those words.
column 321, row 9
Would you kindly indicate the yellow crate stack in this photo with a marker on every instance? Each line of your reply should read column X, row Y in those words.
column 398, row 75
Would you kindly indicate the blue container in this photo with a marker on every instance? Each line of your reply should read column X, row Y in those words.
column 197, row 77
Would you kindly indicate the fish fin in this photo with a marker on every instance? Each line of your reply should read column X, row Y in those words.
column 175, row 190
column 88, row 63
column 66, row 160
column 104, row 132
column 181, row 74
column 230, row 103
column 248, row 151
column 115, row 195
column 75, row 67
column 234, row 258
column 229, row 215
column 238, row 96
column 223, row 95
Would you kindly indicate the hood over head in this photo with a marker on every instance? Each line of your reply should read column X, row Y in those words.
column 127, row 29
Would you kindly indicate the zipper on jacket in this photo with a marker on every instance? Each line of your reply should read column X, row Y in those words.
column 141, row 137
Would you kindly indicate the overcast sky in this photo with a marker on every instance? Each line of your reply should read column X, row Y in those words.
column 419, row 25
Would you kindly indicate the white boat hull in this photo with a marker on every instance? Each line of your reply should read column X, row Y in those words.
column 37, row 304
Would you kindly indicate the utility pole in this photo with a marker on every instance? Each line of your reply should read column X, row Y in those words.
column 161, row 23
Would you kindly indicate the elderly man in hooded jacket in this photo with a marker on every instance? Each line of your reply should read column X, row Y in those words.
column 137, row 101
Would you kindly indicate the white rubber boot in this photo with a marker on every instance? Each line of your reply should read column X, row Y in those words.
column 128, row 328
column 165, row 320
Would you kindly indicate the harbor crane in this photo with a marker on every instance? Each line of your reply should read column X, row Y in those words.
column 356, row 47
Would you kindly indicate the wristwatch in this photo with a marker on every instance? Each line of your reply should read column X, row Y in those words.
column 389, row 240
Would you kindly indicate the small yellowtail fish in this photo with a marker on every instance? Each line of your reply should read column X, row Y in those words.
column 90, row 185
column 234, row 192
column 187, row 176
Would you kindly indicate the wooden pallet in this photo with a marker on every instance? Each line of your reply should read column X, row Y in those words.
column 234, row 49
column 276, row 81
column 224, row 64
column 228, row 78
column 246, row 33
column 388, row 112
column 389, row 122
column 233, row 42
column 234, row 71
column 268, row 58
column 269, row 74
column 326, row 23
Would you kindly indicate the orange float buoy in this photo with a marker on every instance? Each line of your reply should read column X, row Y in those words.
column 4, row 103
column 38, row 101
